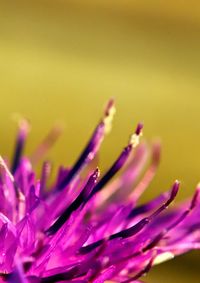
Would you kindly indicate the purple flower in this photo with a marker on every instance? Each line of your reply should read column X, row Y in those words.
column 87, row 228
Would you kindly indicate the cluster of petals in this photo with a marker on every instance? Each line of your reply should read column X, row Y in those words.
column 84, row 226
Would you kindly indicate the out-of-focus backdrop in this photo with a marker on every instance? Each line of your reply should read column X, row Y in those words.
column 61, row 61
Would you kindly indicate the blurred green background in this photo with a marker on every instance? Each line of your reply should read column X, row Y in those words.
column 62, row 60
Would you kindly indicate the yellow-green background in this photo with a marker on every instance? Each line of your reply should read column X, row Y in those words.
column 62, row 60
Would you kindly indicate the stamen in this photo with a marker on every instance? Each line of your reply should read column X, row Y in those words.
column 46, row 170
column 173, row 194
column 109, row 115
column 144, row 208
column 180, row 219
column 4, row 167
column 135, row 138
column 78, row 202
column 160, row 258
column 149, row 174
column 119, row 163
column 128, row 176
column 93, row 145
column 46, row 144
column 193, row 204
column 20, row 143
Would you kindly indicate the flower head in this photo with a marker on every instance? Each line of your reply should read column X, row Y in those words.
column 85, row 227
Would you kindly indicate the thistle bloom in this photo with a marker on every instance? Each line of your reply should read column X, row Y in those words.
column 87, row 228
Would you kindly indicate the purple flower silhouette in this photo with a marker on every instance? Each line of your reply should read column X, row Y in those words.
column 87, row 228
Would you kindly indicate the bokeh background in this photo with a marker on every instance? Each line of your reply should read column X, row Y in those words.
column 62, row 60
